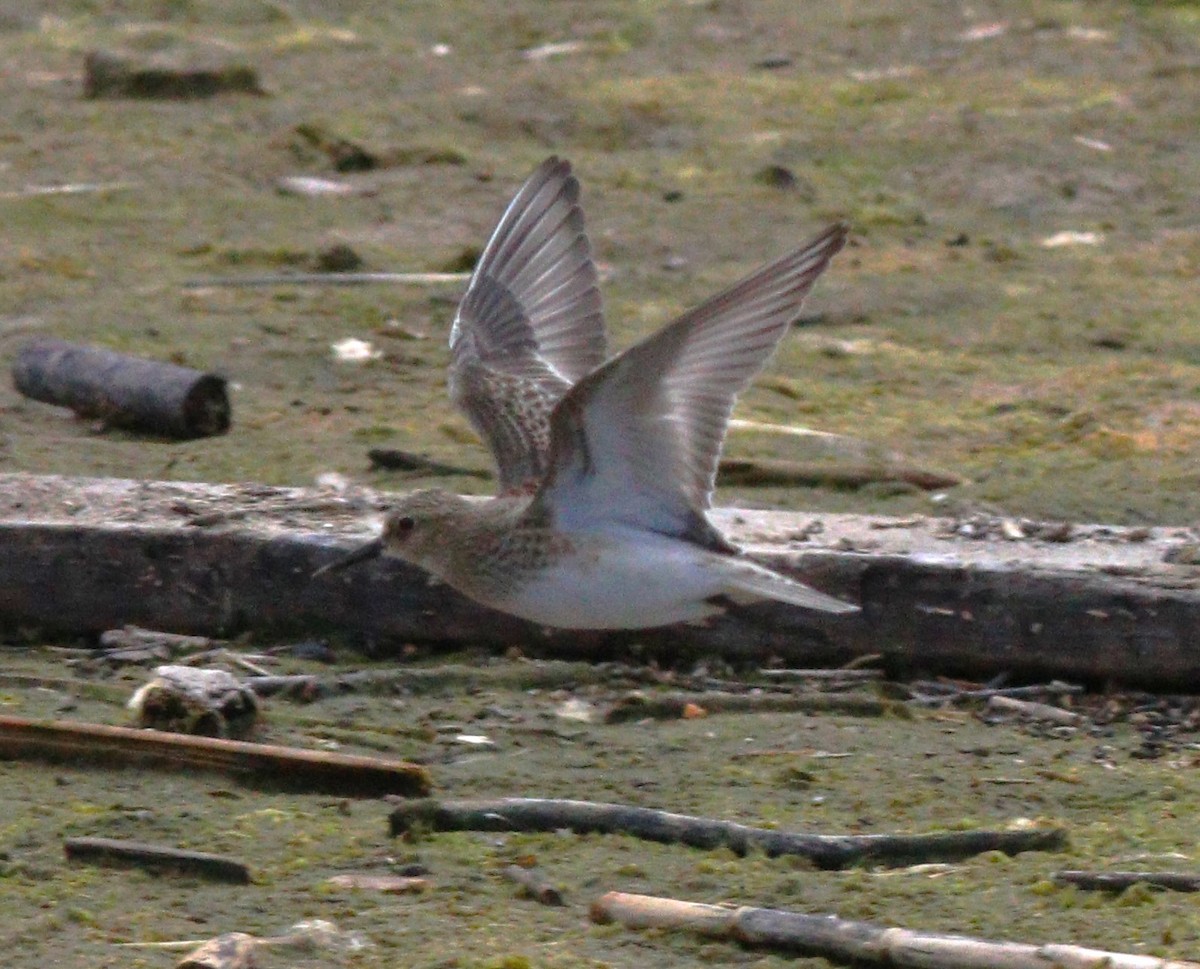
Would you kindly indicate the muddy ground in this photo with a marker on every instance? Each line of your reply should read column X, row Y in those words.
column 1059, row 373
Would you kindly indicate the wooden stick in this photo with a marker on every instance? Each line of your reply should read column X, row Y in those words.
column 1035, row 711
column 838, row 675
column 669, row 706
column 394, row 459
column 825, row 851
column 326, row 279
column 1116, row 881
column 308, row 770
column 853, row 942
column 146, row 395
column 533, row 884
column 762, row 472
column 137, row 854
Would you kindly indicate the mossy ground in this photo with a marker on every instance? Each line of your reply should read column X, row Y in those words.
column 1062, row 381
column 935, row 770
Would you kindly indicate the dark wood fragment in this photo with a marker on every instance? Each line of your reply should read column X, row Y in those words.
column 108, row 75
column 533, row 884
column 824, row 851
column 669, row 706
column 285, row 767
column 144, row 395
column 393, row 459
column 137, row 854
column 1117, row 881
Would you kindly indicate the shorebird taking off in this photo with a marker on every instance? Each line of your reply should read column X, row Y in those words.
column 606, row 466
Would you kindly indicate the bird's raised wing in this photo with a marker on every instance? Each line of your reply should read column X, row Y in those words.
column 530, row 324
column 637, row 441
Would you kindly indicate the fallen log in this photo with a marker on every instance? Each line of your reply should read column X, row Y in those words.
column 287, row 767
column 673, row 706
column 86, row 555
column 533, row 884
column 1118, row 881
column 137, row 854
column 144, row 395
column 853, row 942
column 824, row 851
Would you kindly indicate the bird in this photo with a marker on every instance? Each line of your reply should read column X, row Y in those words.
column 606, row 465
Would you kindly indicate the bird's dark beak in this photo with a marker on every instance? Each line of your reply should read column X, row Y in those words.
column 370, row 550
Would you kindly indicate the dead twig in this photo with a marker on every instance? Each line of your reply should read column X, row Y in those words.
column 761, row 472
column 846, row 941
column 533, row 884
column 308, row 770
column 668, row 706
column 1035, row 711
column 137, row 854
column 825, row 851
column 1116, row 881
column 822, row 676
column 932, row 692
column 325, row 279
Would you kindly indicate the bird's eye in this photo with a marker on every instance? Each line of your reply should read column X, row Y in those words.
column 402, row 526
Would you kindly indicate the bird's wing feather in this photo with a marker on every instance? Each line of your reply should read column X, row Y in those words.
column 637, row 441
column 530, row 324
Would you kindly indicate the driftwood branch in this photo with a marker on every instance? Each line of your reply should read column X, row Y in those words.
column 824, row 851
column 289, row 767
column 846, row 941
column 326, row 279
column 671, row 706
column 109, row 851
column 533, row 884
column 1035, row 711
column 761, row 472
column 1117, row 881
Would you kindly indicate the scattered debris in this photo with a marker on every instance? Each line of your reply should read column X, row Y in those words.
column 205, row 702
column 855, row 943
column 353, row 350
column 134, row 638
column 338, row 258
column 544, row 52
column 825, row 851
column 835, row 676
column 136, row 854
column 108, row 75
column 1035, row 711
column 393, row 459
column 673, row 706
column 1118, row 881
column 233, row 950
column 308, row 770
column 326, row 279
column 344, row 155
column 388, row 884
column 1069, row 237
column 69, row 188
column 533, row 884
column 761, row 472
column 125, row 391
column 985, row 31
column 309, row 186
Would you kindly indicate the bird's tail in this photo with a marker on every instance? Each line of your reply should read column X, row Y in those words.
column 749, row 582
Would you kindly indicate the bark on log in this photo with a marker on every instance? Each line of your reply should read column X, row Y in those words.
column 824, row 851
column 312, row 771
column 856, row 943
column 86, row 555
column 144, row 395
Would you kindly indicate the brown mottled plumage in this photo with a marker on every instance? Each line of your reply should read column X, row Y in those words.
column 606, row 467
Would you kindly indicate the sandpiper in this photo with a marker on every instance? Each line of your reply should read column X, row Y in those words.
column 606, row 467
